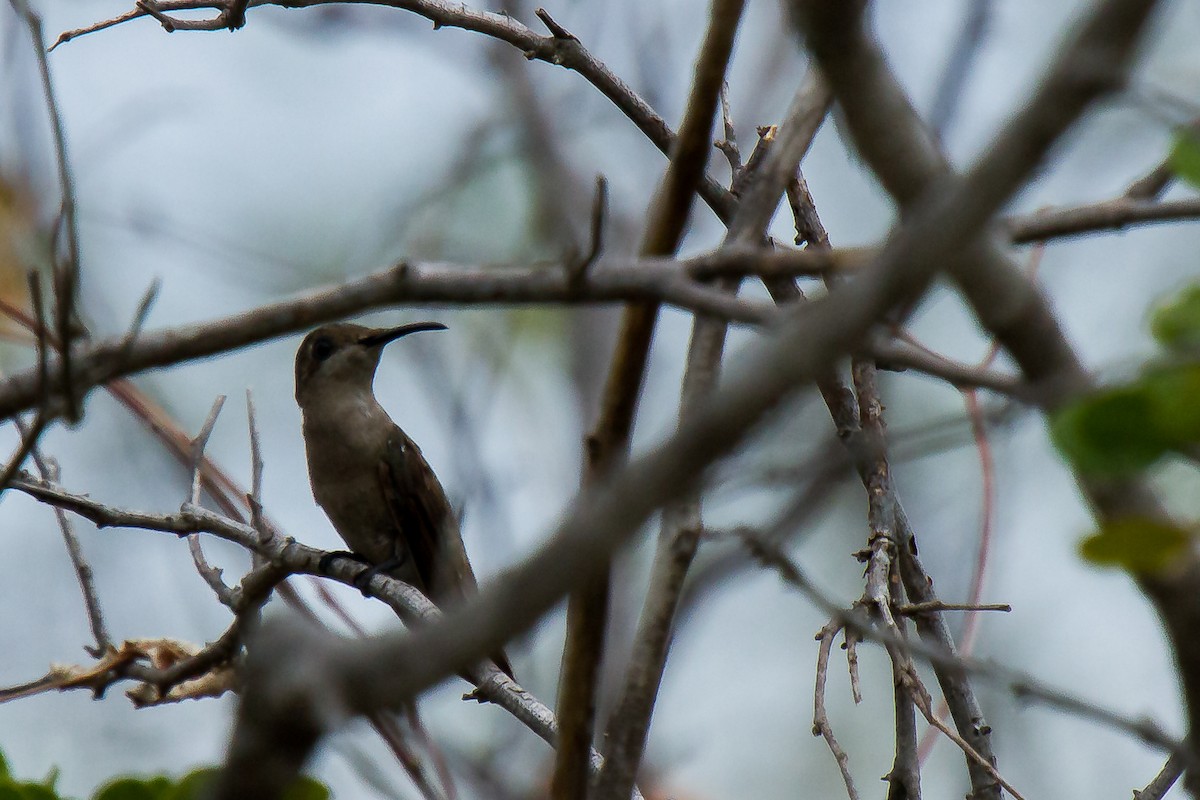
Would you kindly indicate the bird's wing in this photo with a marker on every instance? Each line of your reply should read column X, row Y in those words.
column 422, row 514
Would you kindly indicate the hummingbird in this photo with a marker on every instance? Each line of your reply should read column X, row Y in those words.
column 369, row 476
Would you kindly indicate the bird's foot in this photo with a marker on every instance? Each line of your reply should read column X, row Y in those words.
column 362, row 580
column 328, row 559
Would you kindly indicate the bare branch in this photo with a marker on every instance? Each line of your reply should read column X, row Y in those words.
column 1109, row 215
column 31, row 434
column 679, row 537
column 211, row 575
column 66, row 269
column 404, row 283
column 821, row 726
column 608, row 444
column 893, row 141
column 256, row 471
column 285, row 557
column 1163, row 781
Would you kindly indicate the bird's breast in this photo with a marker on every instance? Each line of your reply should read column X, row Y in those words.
column 345, row 445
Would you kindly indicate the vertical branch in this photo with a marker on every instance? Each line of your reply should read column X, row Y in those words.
column 682, row 523
column 608, row 445
column 210, row 575
column 821, row 726
column 904, row 779
column 66, row 269
column 31, row 434
column 254, row 499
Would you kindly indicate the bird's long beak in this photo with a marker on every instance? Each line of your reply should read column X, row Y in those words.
column 381, row 337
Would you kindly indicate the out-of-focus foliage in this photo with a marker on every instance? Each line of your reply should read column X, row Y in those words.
column 1131, row 426
column 1175, row 323
column 1139, row 546
column 156, row 787
column 1185, row 157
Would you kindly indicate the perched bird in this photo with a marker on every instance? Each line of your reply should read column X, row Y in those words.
column 369, row 477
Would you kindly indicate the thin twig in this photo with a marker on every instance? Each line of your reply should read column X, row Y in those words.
column 254, row 500
column 821, row 726
column 578, row 270
column 141, row 314
column 912, row 609
column 66, row 270
column 728, row 143
column 31, row 434
column 1163, row 781
column 198, row 445
column 609, row 441
column 210, row 574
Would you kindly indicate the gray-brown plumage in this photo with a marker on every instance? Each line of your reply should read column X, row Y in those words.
column 381, row 495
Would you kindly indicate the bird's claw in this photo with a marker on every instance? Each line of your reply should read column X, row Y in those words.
column 327, row 560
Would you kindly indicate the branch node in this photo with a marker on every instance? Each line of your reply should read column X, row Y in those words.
column 577, row 269
column 557, row 31
column 167, row 23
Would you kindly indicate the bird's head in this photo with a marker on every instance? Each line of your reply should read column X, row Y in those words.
column 345, row 354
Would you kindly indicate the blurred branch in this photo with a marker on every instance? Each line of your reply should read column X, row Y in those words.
column 953, row 81
column 32, row 433
column 1109, row 215
column 608, row 443
column 897, row 356
column 682, row 524
column 66, row 269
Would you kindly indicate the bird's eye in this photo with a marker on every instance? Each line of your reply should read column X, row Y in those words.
column 322, row 348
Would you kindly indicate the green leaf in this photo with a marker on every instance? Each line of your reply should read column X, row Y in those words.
column 192, row 785
column 1175, row 323
column 1136, row 544
column 15, row 790
column 306, row 788
column 155, row 788
column 38, row 791
column 1172, row 393
column 1185, row 157
column 1109, row 432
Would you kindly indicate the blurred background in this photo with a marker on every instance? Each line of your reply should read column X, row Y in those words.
column 317, row 145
